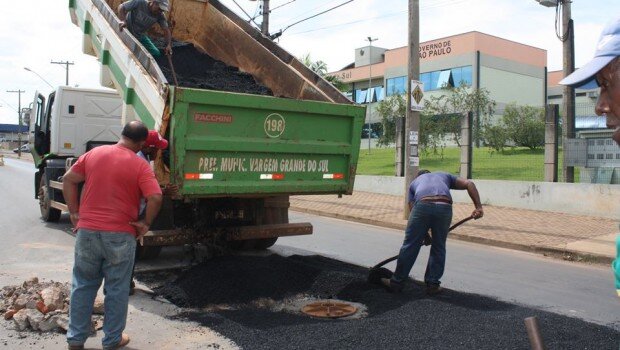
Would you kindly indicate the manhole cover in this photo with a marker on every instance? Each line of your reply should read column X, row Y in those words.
column 329, row 309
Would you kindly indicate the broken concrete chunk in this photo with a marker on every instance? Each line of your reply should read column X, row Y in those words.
column 21, row 320
column 98, row 307
column 62, row 321
column 20, row 302
column 9, row 314
column 30, row 282
column 53, row 297
column 49, row 323
column 34, row 318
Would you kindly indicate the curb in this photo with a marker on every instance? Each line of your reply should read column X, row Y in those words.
column 557, row 253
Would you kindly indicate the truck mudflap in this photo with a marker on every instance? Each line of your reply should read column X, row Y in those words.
column 237, row 233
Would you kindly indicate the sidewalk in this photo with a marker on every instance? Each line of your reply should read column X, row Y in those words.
column 570, row 237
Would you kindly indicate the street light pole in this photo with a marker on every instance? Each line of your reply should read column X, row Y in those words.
column 66, row 64
column 37, row 74
column 412, row 121
column 19, row 120
column 368, row 94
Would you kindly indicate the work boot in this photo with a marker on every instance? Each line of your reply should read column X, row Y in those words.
column 75, row 347
column 391, row 286
column 124, row 341
column 132, row 287
column 433, row 289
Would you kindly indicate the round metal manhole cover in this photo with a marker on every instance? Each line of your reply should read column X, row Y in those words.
column 329, row 309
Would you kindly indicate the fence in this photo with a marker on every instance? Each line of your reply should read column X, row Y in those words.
column 520, row 156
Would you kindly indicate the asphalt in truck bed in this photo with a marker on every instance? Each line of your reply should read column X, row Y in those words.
column 195, row 69
column 241, row 297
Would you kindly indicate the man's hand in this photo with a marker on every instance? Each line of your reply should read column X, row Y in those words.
column 477, row 213
column 141, row 229
column 75, row 217
column 170, row 190
column 168, row 50
column 122, row 25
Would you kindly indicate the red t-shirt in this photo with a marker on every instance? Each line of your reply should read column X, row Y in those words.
column 116, row 179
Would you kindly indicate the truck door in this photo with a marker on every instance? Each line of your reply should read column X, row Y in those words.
column 36, row 115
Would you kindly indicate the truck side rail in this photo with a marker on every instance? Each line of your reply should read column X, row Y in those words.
column 125, row 65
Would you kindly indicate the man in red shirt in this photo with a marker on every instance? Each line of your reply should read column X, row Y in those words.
column 106, row 219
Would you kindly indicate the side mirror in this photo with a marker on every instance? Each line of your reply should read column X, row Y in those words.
column 26, row 116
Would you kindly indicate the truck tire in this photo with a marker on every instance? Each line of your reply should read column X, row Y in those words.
column 48, row 213
column 147, row 252
column 275, row 212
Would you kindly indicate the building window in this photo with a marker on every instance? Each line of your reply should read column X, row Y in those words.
column 375, row 94
column 600, row 156
column 396, row 86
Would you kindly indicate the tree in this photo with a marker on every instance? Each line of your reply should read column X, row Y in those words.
column 525, row 125
column 390, row 109
column 320, row 67
column 456, row 101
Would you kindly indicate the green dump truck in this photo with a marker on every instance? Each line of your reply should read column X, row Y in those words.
column 235, row 157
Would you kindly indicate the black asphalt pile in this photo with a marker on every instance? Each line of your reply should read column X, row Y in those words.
column 195, row 69
column 394, row 321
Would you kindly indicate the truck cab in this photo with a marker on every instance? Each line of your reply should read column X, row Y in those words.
column 64, row 125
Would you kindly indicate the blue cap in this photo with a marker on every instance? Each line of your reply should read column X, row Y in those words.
column 607, row 49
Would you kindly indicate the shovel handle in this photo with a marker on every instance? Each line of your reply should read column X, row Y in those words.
column 450, row 229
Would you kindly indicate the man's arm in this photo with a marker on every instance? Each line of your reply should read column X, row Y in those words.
column 153, row 204
column 123, row 9
column 472, row 191
column 70, row 183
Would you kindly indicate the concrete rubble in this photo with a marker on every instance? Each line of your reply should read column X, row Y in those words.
column 41, row 306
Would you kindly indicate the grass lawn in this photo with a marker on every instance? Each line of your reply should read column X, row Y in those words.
column 520, row 164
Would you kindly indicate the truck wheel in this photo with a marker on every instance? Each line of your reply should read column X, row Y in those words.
column 48, row 213
column 148, row 252
column 265, row 243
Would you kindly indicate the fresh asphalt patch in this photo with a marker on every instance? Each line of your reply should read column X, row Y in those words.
column 255, row 301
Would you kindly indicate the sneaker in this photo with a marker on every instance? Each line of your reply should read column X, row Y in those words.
column 75, row 347
column 391, row 286
column 433, row 289
column 132, row 287
column 124, row 341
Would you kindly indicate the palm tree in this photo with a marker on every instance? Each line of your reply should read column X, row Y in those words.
column 320, row 67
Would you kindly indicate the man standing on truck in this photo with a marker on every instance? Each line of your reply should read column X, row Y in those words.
column 604, row 71
column 430, row 206
column 106, row 219
column 140, row 15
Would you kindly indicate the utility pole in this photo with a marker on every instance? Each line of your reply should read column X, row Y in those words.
column 19, row 120
column 368, row 94
column 412, row 121
column 568, row 105
column 265, row 25
column 66, row 64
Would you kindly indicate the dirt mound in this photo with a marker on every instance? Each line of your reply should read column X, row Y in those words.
column 195, row 69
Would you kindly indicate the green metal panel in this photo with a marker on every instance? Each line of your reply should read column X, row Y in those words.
column 238, row 144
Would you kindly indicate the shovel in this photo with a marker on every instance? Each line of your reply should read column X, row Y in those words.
column 378, row 272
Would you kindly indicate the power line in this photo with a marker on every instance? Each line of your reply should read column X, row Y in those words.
column 279, row 33
column 66, row 64
column 451, row 2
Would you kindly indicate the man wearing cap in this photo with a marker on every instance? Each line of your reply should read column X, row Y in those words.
column 140, row 15
column 154, row 143
column 604, row 71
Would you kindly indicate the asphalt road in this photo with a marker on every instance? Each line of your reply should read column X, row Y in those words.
column 31, row 247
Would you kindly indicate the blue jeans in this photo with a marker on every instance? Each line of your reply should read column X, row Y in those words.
column 149, row 46
column 424, row 216
column 107, row 256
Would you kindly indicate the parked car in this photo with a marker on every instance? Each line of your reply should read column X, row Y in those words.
column 25, row 149
column 373, row 134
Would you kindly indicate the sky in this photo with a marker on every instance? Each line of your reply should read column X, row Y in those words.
column 35, row 32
